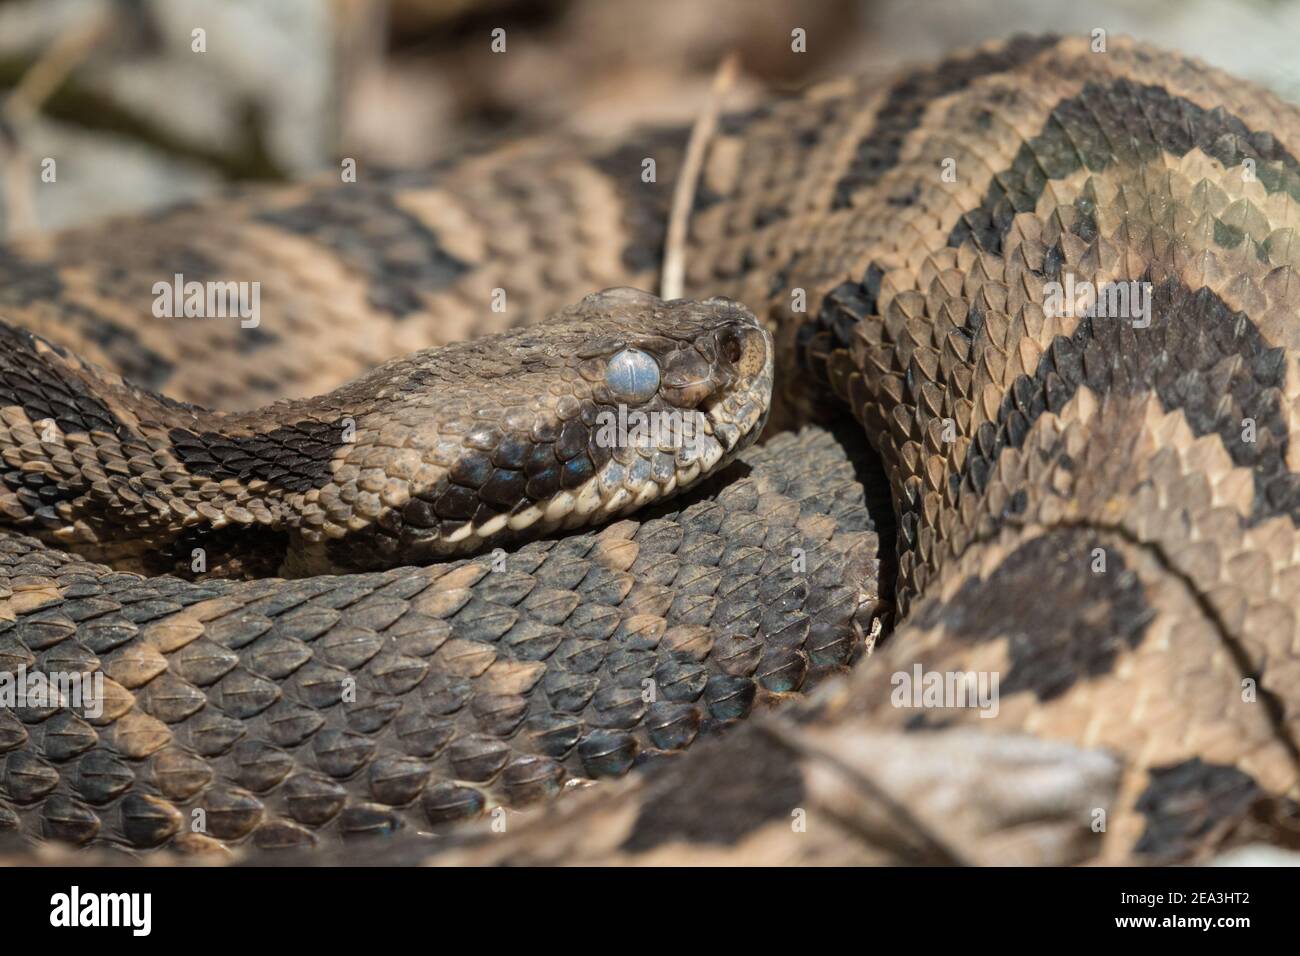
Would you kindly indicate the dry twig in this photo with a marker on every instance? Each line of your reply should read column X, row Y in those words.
column 674, row 270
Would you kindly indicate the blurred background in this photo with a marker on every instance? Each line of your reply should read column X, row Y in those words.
column 144, row 103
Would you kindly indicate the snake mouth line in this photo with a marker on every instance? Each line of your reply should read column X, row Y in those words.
column 635, row 453
column 642, row 471
column 737, row 416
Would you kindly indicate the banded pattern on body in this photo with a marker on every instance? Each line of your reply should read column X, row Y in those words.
column 433, row 455
column 925, row 224
column 294, row 711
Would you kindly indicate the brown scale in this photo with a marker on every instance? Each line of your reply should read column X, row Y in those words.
column 925, row 302
column 914, row 360
column 473, row 688
column 427, row 456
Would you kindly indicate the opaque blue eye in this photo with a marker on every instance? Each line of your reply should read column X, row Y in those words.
column 632, row 376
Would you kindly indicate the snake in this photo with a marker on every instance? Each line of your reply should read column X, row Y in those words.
column 1019, row 332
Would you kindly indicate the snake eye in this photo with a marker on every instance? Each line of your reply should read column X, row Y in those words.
column 632, row 376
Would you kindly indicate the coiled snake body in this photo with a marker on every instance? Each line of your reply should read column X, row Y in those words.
column 1096, row 504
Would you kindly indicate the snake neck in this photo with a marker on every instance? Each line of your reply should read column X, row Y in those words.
column 623, row 400
column 94, row 464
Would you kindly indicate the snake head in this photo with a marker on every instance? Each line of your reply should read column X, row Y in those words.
column 693, row 377
column 618, row 401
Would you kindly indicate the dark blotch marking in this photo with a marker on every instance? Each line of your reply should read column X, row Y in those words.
column 1187, row 803
column 903, row 200
column 575, row 472
column 403, row 259
column 878, row 151
column 781, row 277
column 293, row 457
column 373, row 548
column 132, row 280
column 38, row 493
column 924, row 721
column 1064, row 622
column 1126, row 123
column 735, row 124
column 831, row 329
column 515, row 473
column 719, row 795
column 1198, row 355
column 235, row 551
column 455, row 503
column 122, row 348
column 252, row 339
column 129, row 277
column 44, row 388
column 25, row 283
column 505, row 489
column 645, row 205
